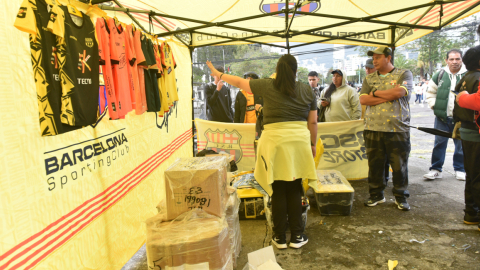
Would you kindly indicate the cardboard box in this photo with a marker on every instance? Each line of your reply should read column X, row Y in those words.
column 198, row 182
column 195, row 240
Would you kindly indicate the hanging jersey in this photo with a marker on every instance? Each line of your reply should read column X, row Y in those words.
column 140, row 100
column 130, row 64
column 77, row 52
column 169, row 65
column 250, row 114
column 33, row 17
column 164, row 99
column 103, row 37
column 151, row 84
column 119, row 59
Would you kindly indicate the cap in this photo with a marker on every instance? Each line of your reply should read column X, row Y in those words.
column 250, row 74
column 380, row 50
column 369, row 63
column 338, row 71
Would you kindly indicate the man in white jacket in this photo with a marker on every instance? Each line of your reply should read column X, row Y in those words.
column 441, row 100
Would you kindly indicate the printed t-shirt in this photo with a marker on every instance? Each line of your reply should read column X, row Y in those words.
column 250, row 114
column 165, row 99
column 119, row 59
column 390, row 116
column 140, row 100
column 169, row 65
column 77, row 53
column 33, row 17
column 130, row 64
column 151, row 85
column 103, row 37
column 278, row 107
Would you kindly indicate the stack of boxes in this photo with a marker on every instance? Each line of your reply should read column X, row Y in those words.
column 198, row 226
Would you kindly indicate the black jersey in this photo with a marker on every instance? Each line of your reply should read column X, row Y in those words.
column 151, row 84
column 77, row 52
column 33, row 17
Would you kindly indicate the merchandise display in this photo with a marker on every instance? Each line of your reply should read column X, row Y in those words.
column 88, row 63
column 197, row 182
column 194, row 240
column 334, row 194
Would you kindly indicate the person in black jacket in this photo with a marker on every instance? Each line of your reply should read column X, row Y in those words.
column 218, row 100
column 242, row 108
column 470, row 136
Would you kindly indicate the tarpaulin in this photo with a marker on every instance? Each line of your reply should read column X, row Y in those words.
column 79, row 200
column 339, row 22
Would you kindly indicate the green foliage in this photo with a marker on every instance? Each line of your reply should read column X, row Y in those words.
column 302, row 75
column 402, row 62
column 362, row 50
column 263, row 67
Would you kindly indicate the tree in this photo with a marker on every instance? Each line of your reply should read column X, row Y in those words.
column 402, row 62
column 302, row 75
column 364, row 49
column 263, row 67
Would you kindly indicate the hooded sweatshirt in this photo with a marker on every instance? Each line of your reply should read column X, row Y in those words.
column 344, row 103
column 449, row 81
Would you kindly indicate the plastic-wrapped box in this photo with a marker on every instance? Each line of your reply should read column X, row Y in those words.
column 231, row 215
column 198, row 182
column 334, row 194
column 195, row 240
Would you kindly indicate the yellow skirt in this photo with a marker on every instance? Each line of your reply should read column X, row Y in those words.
column 284, row 154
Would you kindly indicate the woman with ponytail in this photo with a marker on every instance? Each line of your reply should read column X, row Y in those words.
column 287, row 146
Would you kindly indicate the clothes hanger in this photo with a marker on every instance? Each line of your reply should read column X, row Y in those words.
column 73, row 10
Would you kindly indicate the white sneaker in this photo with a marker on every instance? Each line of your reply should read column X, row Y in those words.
column 433, row 174
column 460, row 175
column 421, row 105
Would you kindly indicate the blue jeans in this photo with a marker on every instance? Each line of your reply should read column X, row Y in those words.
column 440, row 147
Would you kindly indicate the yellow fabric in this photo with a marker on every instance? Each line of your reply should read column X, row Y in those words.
column 284, row 154
column 25, row 20
column 219, row 11
column 318, row 156
column 114, row 192
column 250, row 116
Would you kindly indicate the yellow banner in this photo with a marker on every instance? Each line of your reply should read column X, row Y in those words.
column 344, row 148
column 79, row 200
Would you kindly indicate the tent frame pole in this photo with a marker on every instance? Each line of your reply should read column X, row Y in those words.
column 286, row 27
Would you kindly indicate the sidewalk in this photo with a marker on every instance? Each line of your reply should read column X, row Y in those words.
column 371, row 236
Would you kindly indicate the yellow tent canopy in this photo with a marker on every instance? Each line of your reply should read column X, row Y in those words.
column 353, row 22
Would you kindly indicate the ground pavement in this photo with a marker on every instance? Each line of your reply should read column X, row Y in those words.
column 371, row 236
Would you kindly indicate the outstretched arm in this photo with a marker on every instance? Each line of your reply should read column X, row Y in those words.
column 233, row 80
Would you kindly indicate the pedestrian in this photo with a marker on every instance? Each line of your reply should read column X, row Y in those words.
column 369, row 69
column 218, row 100
column 441, row 100
column 246, row 104
column 466, row 111
column 418, row 93
column 287, row 146
column 316, row 88
column 424, row 90
column 340, row 100
column 387, row 136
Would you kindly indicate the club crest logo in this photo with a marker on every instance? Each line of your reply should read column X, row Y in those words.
column 269, row 6
column 89, row 42
column 228, row 141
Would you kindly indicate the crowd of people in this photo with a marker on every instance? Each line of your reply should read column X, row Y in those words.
column 292, row 109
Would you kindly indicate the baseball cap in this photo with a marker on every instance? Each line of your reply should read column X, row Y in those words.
column 369, row 63
column 338, row 71
column 380, row 50
column 250, row 74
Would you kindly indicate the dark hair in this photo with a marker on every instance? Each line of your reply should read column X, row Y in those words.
column 250, row 74
column 285, row 80
column 220, row 68
column 472, row 58
column 312, row 74
column 454, row 51
column 332, row 88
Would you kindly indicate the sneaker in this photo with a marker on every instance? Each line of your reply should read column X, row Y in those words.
column 402, row 204
column 460, row 175
column 279, row 241
column 373, row 202
column 433, row 174
column 471, row 220
column 298, row 241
